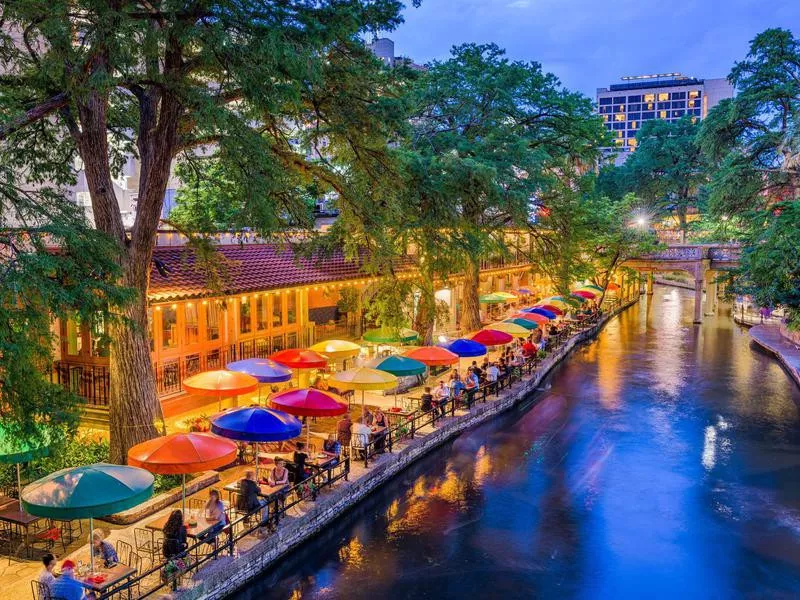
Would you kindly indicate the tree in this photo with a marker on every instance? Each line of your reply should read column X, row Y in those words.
column 668, row 167
column 493, row 134
column 257, row 87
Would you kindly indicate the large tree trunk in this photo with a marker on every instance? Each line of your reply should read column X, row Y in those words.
column 682, row 223
column 425, row 316
column 470, row 306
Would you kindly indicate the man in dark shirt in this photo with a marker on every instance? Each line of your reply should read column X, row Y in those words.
column 426, row 400
column 299, row 466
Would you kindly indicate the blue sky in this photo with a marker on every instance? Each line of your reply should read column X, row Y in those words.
column 592, row 43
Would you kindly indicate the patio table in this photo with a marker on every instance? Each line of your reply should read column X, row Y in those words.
column 266, row 491
column 111, row 577
column 21, row 521
column 201, row 526
column 8, row 503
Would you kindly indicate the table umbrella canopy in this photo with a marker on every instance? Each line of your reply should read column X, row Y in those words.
column 591, row 286
column 433, row 356
column 537, row 318
column 585, row 294
column 465, row 348
column 300, row 358
column 551, row 308
column 560, row 301
column 256, row 424
column 538, row 310
column 509, row 328
column 220, row 383
column 263, row 369
column 491, row 299
column 182, row 453
column 397, row 365
column 527, row 324
column 611, row 287
column 386, row 335
column 363, row 378
column 505, row 295
column 579, row 298
column 492, row 337
column 14, row 450
column 308, row 402
column 337, row 349
column 89, row 491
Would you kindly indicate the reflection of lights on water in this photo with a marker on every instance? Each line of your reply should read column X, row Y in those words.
column 710, row 448
column 352, row 555
column 483, row 466
column 393, row 510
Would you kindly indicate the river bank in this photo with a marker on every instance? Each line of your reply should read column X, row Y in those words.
column 770, row 338
column 229, row 573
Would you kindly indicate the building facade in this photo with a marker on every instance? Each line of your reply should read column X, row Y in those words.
column 669, row 96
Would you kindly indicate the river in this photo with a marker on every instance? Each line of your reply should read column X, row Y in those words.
column 661, row 460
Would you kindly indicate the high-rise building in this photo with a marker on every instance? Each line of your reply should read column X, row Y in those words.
column 669, row 96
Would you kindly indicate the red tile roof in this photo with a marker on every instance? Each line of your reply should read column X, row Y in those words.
column 248, row 268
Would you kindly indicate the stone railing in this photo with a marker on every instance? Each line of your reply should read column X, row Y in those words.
column 726, row 253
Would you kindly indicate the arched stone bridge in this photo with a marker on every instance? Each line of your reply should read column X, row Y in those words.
column 703, row 261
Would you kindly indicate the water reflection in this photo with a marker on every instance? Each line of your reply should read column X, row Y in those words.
column 663, row 462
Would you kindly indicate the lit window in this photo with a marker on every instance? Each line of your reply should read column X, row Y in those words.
column 244, row 316
column 632, row 142
column 605, row 118
column 192, row 323
column 649, row 97
column 632, row 125
column 261, row 312
column 662, row 97
column 619, row 134
column 650, row 106
column 694, row 94
column 169, row 327
column 619, row 142
column 662, row 114
column 212, row 320
column 621, row 108
column 291, row 311
column 619, row 117
column 694, row 120
column 277, row 311
column 690, row 103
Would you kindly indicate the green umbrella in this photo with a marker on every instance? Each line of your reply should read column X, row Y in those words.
column 522, row 322
column 87, row 492
column 568, row 300
column 385, row 335
column 491, row 299
column 399, row 366
column 14, row 452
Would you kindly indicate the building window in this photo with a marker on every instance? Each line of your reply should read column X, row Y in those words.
column 632, row 142
column 690, row 104
column 619, row 141
column 620, row 134
column 277, row 311
column 677, row 113
column 648, row 115
column 621, row 108
column 244, row 315
column 634, row 108
column 679, row 105
column 634, row 116
column 649, row 97
column 169, row 326
column 694, row 120
column 694, row 94
column 663, row 96
column 632, row 124
column 262, row 317
column 291, row 308
column 618, row 125
column 605, row 109
column 619, row 117
column 74, row 336
column 99, row 336
column 650, row 106
column 678, row 95
column 662, row 114
column 212, row 320
column 663, row 105
column 605, row 101
column 192, row 323
column 634, row 99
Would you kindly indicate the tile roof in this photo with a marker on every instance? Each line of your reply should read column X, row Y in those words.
column 247, row 267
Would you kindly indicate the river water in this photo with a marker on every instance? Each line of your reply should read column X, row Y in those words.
column 662, row 461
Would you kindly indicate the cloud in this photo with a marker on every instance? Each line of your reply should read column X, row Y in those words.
column 519, row 4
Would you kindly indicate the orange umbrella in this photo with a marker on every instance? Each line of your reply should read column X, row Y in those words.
column 433, row 356
column 612, row 287
column 221, row 384
column 182, row 453
column 538, row 319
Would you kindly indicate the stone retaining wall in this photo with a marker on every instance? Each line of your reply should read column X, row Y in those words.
column 227, row 574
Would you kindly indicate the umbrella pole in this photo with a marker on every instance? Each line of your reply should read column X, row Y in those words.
column 256, row 448
column 91, row 545
column 362, row 404
column 19, row 485
column 183, row 494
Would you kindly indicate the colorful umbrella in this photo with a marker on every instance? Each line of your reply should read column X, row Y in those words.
column 87, row 492
column 491, row 299
column 256, row 424
column 570, row 302
column 221, row 384
column 591, row 286
column 14, row 451
column 585, row 294
column 300, row 358
column 337, row 349
column 492, row 337
column 182, row 453
column 465, row 348
column 612, row 287
column 363, row 378
column 509, row 328
column 385, row 335
column 505, row 295
column 308, row 402
column 433, row 356
column 263, row 369
column 580, row 299
column 397, row 365
column 552, row 309
column 537, row 318
column 525, row 323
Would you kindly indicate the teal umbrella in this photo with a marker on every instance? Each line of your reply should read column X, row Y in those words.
column 87, row 492
column 522, row 323
column 399, row 366
column 14, row 451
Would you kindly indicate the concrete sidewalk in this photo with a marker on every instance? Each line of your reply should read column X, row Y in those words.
column 769, row 337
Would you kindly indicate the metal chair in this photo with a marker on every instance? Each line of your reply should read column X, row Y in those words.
column 197, row 504
column 145, row 543
column 358, row 444
column 39, row 591
column 124, row 550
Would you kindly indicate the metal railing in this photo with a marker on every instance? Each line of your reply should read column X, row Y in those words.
column 90, row 382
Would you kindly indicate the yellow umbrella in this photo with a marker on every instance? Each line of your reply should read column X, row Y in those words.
column 510, row 328
column 337, row 349
column 363, row 378
column 505, row 296
column 555, row 302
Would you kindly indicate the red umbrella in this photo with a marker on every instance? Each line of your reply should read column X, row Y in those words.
column 585, row 294
column 308, row 402
column 551, row 308
column 492, row 337
column 221, row 384
column 182, row 453
column 433, row 356
column 538, row 319
column 300, row 358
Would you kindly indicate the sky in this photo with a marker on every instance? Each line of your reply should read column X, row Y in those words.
column 592, row 43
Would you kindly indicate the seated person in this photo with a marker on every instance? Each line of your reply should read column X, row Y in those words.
column 426, row 401
column 379, row 418
column 331, row 447
column 361, row 433
column 492, row 373
column 298, row 468
column 67, row 587
column 214, row 512
column 249, row 498
column 46, row 577
column 174, row 536
column 103, row 550
column 279, row 475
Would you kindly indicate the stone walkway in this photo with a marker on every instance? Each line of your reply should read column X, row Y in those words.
column 769, row 337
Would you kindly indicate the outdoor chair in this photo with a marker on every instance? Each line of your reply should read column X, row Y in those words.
column 145, row 544
column 358, row 444
column 70, row 530
column 197, row 504
column 47, row 537
column 39, row 591
column 235, row 513
column 124, row 550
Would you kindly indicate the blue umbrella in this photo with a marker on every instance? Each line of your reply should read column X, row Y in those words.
column 399, row 366
column 263, row 369
column 465, row 348
column 540, row 311
column 256, row 424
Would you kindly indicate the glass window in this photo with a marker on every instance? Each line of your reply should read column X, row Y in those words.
column 650, row 105
column 621, row 108
column 99, row 336
column 262, row 318
column 291, row 308
column 649, row 97
column 244, row 315
column 663, row 96
column 678, row 95
column 620, row 134
column 619, row 117
column 74, row 336
column 690, row 103
column 604, row 101
column 696, row 111
column 662, row 114
column 679, row 105
column 277, row 311
column 634, row 99
column 192, row 323
column 169, row 326
column 605, row 109
column 634, row 116
column 150, row 328
column 619, row 100
column 619, row 125
column 648, row 115
column 677, row 113
column 632, row 125
column 619, row 141
column 632, row 142
column 608, row 126
column 694, row 94
column 663, row 105
column 634, row 107
column 212, row 320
